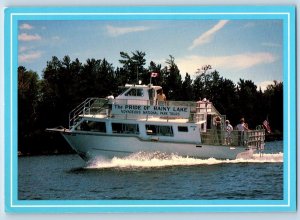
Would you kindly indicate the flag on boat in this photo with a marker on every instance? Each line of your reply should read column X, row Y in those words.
column 267, row 126
column 153, row 74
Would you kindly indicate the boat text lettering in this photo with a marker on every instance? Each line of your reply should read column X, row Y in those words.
column 180, row 111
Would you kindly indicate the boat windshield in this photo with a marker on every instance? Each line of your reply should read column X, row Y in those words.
column 134, row 92
column 121, row 90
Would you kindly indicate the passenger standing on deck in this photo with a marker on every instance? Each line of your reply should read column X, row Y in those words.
column 229, row 129
column 241, row 128
column 161, row 97
column 218, row 126
column 110, row 101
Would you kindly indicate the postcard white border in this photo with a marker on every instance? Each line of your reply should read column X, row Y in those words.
column 17, row 204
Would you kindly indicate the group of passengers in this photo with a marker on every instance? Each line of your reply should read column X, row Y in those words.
column 241, row 127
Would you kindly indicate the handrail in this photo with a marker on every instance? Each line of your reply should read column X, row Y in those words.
column 78, row 110
column 254, row 138
column 94, row 106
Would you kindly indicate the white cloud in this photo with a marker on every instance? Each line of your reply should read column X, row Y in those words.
column 28, row 37
column 26, row 26
column 206, row 37
column 236, row 62
column 30, row 56
column 117, row 31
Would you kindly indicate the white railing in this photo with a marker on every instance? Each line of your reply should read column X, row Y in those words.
column 90, row 106
column 102, row 106
column 253, row 138
column 151, row 102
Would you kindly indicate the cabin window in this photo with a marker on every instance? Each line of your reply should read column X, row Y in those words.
column 121, row 90
column 125, row 128
column 134, row 92
column 183, row 129
column 95, row 126
column 160, row 130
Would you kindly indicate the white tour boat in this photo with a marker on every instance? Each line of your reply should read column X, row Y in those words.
column 135, row 122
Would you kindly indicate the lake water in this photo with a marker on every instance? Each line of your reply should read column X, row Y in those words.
column 145, row 176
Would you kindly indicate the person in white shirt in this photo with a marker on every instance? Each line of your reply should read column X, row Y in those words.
column 241, row 128
column 110, row 100
column 229, row 129
column 218, row 124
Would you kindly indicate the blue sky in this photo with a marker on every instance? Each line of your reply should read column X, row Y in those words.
column 247, row 49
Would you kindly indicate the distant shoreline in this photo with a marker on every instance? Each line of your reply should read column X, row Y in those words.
column 56, row 152
column 274, row 137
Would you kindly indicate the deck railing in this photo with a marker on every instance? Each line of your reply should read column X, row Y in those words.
column 151, row 102
column 234, row 138
column 101, row 106
column 90, row 106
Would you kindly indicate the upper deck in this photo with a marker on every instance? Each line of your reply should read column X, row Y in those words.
column 128, row 109
column 140, row 102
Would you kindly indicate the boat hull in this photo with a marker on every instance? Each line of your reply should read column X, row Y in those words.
column 90, row 146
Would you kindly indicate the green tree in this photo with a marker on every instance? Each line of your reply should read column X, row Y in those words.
column 202, row 82
column 58, row 88
column 227, row 98
column 172, row 82
column 187, row 88
column 95, row 77
column 247, row 94
column 28, row 95
column 218, row 90
column 133, row 67
column 155, row 68
column 274, row 102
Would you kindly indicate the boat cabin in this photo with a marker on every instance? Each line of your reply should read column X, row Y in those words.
column 136, row 111
column 139, row 94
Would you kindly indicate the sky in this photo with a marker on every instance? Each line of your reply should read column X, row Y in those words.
column 246, row 49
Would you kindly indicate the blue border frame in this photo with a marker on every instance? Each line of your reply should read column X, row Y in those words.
column 13, row 15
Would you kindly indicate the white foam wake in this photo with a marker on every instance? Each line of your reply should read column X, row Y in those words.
column 157, row 159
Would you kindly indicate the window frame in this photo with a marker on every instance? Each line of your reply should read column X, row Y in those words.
column 184, row 129
column 156, row 130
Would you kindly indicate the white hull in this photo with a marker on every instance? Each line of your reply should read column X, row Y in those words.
column 90, row 146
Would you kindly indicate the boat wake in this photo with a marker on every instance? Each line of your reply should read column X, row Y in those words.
column 158, row 159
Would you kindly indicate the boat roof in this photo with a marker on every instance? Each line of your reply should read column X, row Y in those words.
column 141, row 86
column 149, row 119
column 171, row 120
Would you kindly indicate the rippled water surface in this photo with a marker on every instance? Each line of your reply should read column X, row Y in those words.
column 147, row 176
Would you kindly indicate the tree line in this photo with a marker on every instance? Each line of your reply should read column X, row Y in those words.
column 46, row 102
